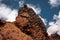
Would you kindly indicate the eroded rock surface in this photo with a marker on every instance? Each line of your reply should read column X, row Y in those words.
column 54, row 37
column 31, row 24
column 10, row 32
column 28, row 26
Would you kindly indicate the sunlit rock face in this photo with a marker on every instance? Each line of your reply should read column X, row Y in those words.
column 31, row 24
column 28, row 26
column 8, row 31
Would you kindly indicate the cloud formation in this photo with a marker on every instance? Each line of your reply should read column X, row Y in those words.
column 54, row 26
column 44, row 20
column 7, row 13
column 54, row 3
column 36, row 9
column 21, row 3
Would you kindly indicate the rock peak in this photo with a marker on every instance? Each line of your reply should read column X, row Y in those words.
column 25, row 6
column 28, row 26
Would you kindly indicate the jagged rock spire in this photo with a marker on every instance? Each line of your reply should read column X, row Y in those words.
column 28, row 26
column 31, row 24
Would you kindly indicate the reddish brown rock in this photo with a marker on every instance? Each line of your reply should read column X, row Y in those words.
column 28, row 26
column 10, row 32
column 54, row 37
column 31, row 24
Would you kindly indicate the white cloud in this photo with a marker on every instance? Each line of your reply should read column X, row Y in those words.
column 12, row 16
column 36, row 9
column 44, row 20
column 21, row 3
column 54, row 27
column 54, row 3
column 7, row 13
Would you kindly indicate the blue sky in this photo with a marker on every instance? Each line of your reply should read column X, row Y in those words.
column 49, row 11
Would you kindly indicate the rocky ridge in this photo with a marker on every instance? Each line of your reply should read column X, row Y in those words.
column 28, row 26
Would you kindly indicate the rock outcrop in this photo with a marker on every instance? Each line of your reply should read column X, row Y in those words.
column 54, row 37
column 28, row 26
column 8, row 31
column 31, row 24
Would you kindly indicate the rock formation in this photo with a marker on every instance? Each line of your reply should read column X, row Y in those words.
column 28, row 26
column 31, row 24
column 8, row 31
column 54, row 37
